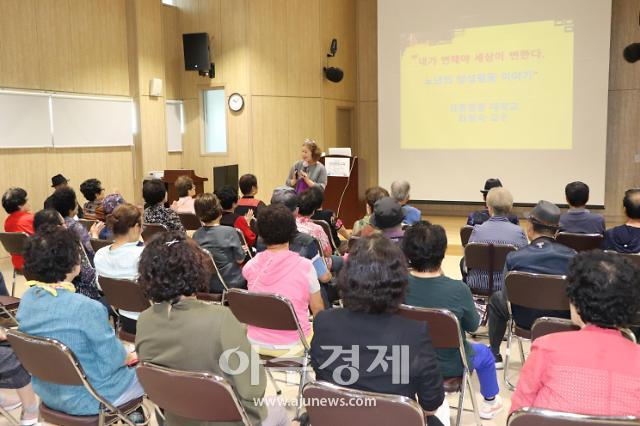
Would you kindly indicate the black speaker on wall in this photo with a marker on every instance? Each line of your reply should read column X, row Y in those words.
column 196, row 52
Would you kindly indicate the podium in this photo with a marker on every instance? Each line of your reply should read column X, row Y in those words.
column 341, row 194
column 170, row 177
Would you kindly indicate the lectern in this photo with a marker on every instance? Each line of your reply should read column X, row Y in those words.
column 170, row 177
column 341, row 194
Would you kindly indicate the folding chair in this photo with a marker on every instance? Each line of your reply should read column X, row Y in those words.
column 87, row 223
column 465, row 234
column 540, row 417
column 375, row 409
column 243, row 241
column 190, row 221
column 532, row 291
column 151, row 229
column 124, row 295
column 274, row 312
column 97, row 244
column 632, row 257
column 327, row 230
column 445, row 332
column 580, row 242
column 13, row 243
column 549, row 325
column 51, row 361
column 197, row 396
column 213, row 297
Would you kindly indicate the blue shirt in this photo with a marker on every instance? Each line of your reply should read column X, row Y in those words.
column 582, row 221
column 411, row 215
column 623, row 239
column 82, row 324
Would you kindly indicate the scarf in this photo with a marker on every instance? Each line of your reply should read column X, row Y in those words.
column 52, row 287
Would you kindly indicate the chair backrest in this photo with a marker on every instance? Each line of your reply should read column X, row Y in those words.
column 213, row 267
column 264, row 310
column 541, row 417
column 87, row 223
column 97, row 244
column 319, row 248
column 199, row 396
column 13, row 242
column 444, row 327
column 465, row 234
column 47, row 359
column 487, row 257
column 327, row 230
column 580, row 242
column 190, row 221
column 549, row 325
column 632, row 257
column 373, row 409
column 243, row 241
column 124, row 294
column 151, row 229
column 537, row 291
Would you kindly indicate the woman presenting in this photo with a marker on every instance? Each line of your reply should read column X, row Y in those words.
column 308, row 172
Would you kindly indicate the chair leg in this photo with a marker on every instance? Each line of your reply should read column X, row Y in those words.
column 275, row 384
column 8, row 313
column 474, row 403
column 508, row 356
column 463, row 389
column 303, row 381
column 9, row 417
column 13, row 285
column 522, row 358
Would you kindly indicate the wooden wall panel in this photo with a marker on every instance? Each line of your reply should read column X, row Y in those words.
column 304, row 61
column 367, row 41
column 234, row 46
column 330, row 123
column 53, row 22
column 367, row 149
column 338, row 20
column 173, row 56
column 19, row 48
column 624, row 30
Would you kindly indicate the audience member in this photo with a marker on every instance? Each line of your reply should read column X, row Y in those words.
column 109, row 204
column 626, row 238
column 58, row 181
column 186, row 191
column 155, row 194
column 94, row 193
column 328, row 216
column 373, row 285
column 424, row 246
column 171, row 332
column 542, row 256
column 281, row 271
column 14, row 376
column 50, row 308
column 228, row 197
column 481, row 216
column 497, row 230
column 595, row 370
column 578, row 219
column 65, row 202
column 249, row 187
column 371, row 195
column 20, row 219
column 85, row 282
column 301, row 243
column 222, row 242
column 120, row 259
column 386, row 219
column 308, row 171
column 400, row 192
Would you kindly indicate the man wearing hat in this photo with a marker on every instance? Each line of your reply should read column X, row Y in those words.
column 481, row 216
column 386, row 218
column 544, row 255
column 57, row 182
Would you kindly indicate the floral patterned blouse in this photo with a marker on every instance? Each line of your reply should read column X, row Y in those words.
column 162, row 215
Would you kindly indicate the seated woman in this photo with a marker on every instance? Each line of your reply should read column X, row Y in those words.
column 186, row 191
column 94, row 193
column 593, row 370
column 337, row 228
column 371, row 195
column 19, row 219
column 228, row 197
column 120, row 259
column 155, row 194
column 171, row 332
column 109, row 204
column 86, row 282
column 280, row 271
column 424, row 246
column 373, row 283
column 51, row 308
column 222, row 242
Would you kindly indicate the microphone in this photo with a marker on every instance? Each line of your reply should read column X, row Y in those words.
column 305, row 166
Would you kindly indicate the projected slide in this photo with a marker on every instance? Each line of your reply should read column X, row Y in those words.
column 489, row 87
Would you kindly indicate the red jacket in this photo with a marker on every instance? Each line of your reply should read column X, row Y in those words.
column 19, row 222
column 592, row 371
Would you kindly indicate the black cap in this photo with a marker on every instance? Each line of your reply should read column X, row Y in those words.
column 58, row 180
column 490, row 184
column 545, row 213
column 387, row 213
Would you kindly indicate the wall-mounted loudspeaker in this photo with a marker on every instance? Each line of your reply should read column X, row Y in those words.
column 631, row 53
column 196, row 51
column 334, row 74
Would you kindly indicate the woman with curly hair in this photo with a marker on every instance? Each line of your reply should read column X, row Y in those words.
column 182, row 332
column 94, row 193
column 593, row 370
column 51, row 308
column 373, row 283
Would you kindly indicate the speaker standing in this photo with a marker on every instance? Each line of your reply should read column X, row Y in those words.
column 308, row 171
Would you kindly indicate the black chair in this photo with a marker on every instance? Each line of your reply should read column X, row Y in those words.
column 13, row 243
column 327, row 230
column 190, row 221
column 151, row 229
column 97, row 244
column 124, row 295
column 580, row 242
column 465, row 234
column 541, row 417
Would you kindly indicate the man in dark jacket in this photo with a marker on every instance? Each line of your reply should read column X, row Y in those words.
column 626, row 238
column 578, row 219
column 542, row 256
